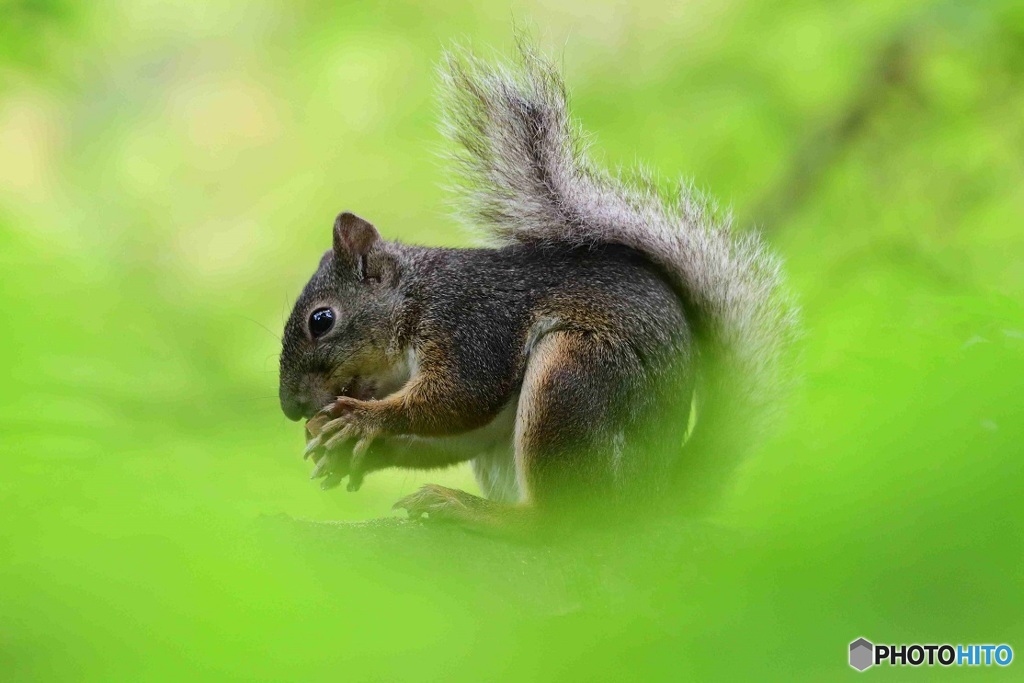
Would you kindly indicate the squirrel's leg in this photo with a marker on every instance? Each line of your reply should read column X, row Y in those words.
column 567, row 437
column 579, row 393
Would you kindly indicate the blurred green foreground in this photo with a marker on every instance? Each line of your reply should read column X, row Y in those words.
column 168, row 176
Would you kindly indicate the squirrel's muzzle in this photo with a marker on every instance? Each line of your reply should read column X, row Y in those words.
column 304, row 394
column 292, row 408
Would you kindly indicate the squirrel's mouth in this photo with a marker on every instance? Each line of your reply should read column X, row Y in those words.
column 360, row 388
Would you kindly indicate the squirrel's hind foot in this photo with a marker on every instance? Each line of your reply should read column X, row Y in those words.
column 473, row 513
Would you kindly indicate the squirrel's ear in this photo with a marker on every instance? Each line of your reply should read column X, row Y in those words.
column 353, row 236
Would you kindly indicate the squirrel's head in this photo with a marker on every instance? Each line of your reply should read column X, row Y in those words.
column 340, row 337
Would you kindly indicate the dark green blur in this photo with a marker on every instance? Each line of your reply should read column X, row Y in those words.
column 169, row 173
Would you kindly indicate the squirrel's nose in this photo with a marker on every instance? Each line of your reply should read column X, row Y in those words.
column 292, row 408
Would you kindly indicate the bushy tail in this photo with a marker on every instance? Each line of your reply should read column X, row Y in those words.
column 524, row 175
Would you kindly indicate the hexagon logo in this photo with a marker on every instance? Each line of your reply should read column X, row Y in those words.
column 862, row 654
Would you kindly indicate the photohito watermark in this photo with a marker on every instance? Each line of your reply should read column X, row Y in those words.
column 864, row 654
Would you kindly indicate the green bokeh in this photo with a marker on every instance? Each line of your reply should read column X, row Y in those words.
column 168, row 176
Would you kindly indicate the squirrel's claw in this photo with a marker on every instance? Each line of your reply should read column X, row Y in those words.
column 322, row 467
column 340, row 422
column 313, row 444
column 331, row 468
column 332, row 480
column 346, row 432
column 355, row 479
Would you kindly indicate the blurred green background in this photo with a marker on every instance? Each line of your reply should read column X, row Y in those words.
column 168, row 177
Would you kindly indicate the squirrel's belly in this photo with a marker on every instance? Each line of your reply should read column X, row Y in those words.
column 494, row 466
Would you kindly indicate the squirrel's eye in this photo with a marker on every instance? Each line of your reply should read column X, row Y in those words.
column 320, row 322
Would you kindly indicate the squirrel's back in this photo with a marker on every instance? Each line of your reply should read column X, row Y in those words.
column 510, row 292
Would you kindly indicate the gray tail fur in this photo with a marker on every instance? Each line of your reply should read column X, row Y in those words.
column 524, row 174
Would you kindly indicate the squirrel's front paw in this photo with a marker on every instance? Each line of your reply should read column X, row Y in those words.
column 345, row 420
column 331, row 466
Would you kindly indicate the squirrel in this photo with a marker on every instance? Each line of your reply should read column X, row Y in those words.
column 611, row 343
